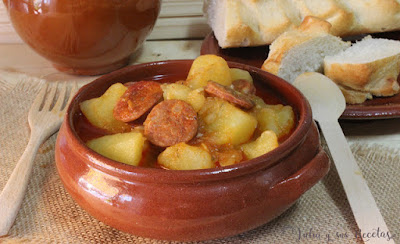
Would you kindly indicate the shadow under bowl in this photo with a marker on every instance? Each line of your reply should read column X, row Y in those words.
column 195, row 204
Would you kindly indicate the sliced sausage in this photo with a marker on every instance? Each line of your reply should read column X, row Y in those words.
column 228, row 94
column 139, row 98
column 244, row 86
column 170, row 122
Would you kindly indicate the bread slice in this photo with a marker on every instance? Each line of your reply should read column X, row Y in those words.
column 302, row 49
column 353, row 96
column 370, row 65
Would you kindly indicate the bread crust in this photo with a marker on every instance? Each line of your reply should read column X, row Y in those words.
column 353, row 96
column 374, row 15
column 260, row 22
column 310, row 28
column 378, row 77
column 340, row 17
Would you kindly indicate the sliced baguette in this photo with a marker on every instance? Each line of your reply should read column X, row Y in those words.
column 369, row 66
column 238, row 23
column 302, row 49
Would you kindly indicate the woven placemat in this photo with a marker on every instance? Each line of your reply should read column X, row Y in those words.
column 49, row 215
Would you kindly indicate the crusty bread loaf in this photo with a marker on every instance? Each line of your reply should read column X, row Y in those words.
column 238, row 23
column 302, row 49
column 369, row 66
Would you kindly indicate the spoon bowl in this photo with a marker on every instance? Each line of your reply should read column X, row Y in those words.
column 326, row 100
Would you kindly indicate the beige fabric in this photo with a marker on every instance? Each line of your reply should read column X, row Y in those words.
column 49, row 215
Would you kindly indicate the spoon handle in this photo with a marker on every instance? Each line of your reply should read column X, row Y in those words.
column 362, row 203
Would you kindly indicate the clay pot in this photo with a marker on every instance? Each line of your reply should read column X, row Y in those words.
column 85, row 37
column 195, row 204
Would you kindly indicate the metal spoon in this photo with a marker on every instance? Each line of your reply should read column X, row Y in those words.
column 327, row 104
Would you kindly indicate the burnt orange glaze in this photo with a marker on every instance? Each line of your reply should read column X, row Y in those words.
column 190, row 205
column 84, row 36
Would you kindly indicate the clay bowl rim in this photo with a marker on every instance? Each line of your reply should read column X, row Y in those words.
column 156, row 175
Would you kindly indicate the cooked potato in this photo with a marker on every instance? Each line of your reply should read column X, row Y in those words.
column 285, row 119
column 208, row 67
column 263, row 144
column 223, row 123
column 237, row 74
column 259, row 102
column 182, row 156
column 175, row 91
column 229, row 157
column 277, row 118
column 99, row 111
column 123, row 147
column 195, row 97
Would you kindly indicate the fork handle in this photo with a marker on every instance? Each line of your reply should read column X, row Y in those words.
column 362, row 202
column 13, row 192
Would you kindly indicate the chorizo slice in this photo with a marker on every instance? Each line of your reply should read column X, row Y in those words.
column 139, row 98
column 228, row 94
column 244, row 86
column 170, row 122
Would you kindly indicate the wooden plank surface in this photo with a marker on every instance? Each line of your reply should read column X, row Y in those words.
column 179, row 8
column 18, row 57
column 7, row 32
column 180, row 28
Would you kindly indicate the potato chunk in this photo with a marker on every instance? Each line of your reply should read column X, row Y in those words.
column 182, row 156
column 229, row 157
column 223, row 123
column 238, row 74
column 195, row 97
column 99, row 111
column 263, row 144
column 208, row 67
column 123, row 147
column 175, row 91
column 277, row 118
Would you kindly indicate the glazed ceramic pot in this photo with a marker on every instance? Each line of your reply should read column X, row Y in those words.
column 194, row 204
column 85, row 37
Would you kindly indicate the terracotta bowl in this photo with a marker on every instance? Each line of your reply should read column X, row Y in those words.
column 85, row 37
column 196, row 204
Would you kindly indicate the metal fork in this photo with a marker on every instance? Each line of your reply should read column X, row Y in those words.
column 45, row 117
